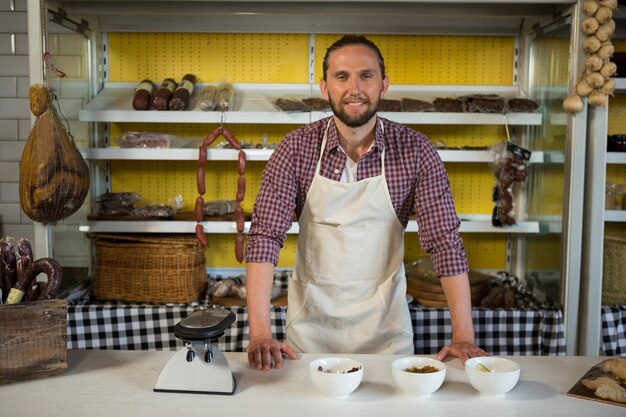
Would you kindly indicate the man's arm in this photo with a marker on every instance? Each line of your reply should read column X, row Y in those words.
column 262, row 348
column 457, row 292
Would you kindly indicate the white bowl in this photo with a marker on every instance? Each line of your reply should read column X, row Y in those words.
column 502, row 380
column 420, row 384
column 331, row 376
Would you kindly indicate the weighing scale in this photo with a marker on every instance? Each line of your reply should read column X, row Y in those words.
column 199, row 367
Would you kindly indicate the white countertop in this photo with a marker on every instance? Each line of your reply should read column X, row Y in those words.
column 120, row 383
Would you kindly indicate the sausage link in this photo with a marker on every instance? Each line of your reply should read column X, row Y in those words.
column 8, row 258
column 241, row 188
column 202, row 152
column 143, row 95
column 231, row 139
column 200, row 180
column 239, row 247
column 52, row 269
column 26, row 276
column 201, row 236
column 242, row 162
column 183, row 92
column 199, row 209
column 212, row 136
column 25, row 273
column 164, row 94
column 239, row 218
column 25, row 249
column 3, row 280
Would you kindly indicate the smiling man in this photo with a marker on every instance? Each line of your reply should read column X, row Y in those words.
column 353, row 179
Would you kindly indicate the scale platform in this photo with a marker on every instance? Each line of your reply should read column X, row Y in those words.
column 199, row 367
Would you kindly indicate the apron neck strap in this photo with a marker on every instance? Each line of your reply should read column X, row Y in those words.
column 324, row 140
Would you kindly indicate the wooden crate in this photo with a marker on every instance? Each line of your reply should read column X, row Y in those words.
column 32, row 340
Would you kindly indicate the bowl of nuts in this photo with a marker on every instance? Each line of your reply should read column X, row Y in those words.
column 418, row 375
column 336, row 377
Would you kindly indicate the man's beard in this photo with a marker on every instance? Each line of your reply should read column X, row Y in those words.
column 356, row 120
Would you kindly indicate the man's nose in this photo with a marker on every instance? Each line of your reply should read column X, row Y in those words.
column 354, row 86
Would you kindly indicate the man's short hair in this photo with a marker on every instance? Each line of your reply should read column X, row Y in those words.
column 349, row 40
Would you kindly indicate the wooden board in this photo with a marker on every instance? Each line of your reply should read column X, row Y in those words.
column 581, row 391
column 427, row 286
column 234, row 301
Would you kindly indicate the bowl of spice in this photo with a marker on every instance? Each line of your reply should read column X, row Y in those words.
column 418, row 375
column 336, row 377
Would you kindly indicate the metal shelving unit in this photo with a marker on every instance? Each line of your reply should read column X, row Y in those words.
column 191, row 154
column 254, row 104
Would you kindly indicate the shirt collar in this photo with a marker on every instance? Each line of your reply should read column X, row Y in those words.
column 332, row 141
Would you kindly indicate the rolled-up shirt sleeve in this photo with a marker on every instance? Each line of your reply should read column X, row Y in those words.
column 436, row 216
column 273, row 207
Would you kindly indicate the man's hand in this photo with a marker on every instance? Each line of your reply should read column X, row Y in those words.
column 262, row 350
column 461, row 350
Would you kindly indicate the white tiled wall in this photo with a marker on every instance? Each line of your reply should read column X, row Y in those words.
column 70, row 247
column 14, row 114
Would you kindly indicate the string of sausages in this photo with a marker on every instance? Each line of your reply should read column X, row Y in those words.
column 241, row 189
column 18, row 274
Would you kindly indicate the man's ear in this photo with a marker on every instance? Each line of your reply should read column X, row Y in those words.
column 385, row 86
column 323, row 88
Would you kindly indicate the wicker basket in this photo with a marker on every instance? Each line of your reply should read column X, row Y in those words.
column 614, row 271
column 149, row 268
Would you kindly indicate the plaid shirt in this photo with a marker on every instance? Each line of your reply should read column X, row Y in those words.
column 415, row 174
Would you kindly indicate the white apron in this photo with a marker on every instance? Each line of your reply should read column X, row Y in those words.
column 348, row 290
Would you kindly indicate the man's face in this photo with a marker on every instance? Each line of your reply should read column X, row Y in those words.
column 354, row 84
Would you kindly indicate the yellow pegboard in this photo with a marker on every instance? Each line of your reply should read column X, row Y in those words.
column 484, row 251
column 471, row 185
column 543, row 252
column 617, row 114
column 546, row 185
column 463, row 135
column 550, row 60
column 616, row 173
column 212, row 57
column 281, row 58
column 156, row 181
column 422, row 59
column 614, row 228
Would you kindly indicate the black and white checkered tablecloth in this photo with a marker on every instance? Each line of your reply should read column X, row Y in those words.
column 101, row 325
column 614, row 330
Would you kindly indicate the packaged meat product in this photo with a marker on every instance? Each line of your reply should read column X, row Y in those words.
column 522, row 105
column 182, row 94
column 483, row 103
column 143, row 95
column 444, row 104
column 224, row 99
column 154, row 210
column 390, row 105
column 219, row 207
column 415, row 105
column 207, row 101
column 284, row 104
column 164, row 94
column 317, row 103
column 146, row 140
